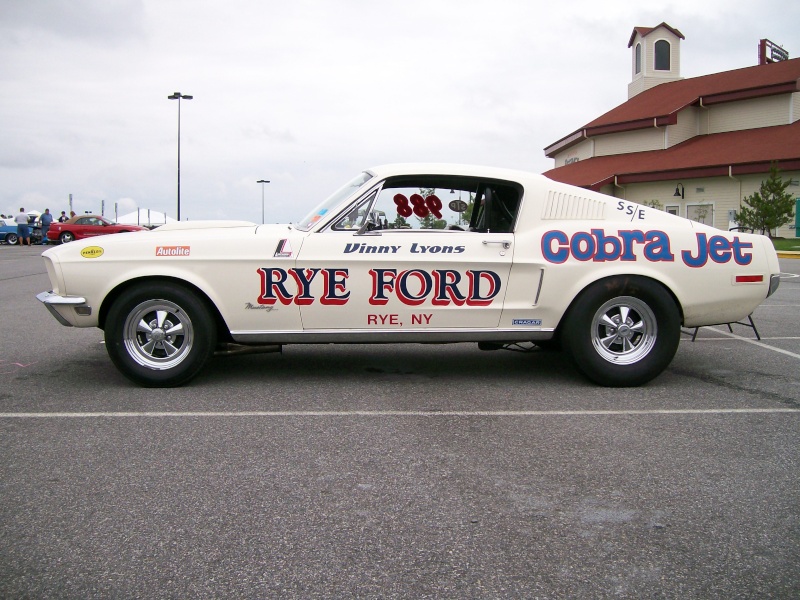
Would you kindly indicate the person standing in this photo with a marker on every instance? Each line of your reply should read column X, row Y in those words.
column 63, row 218
column 46, row 219
column 23, row 233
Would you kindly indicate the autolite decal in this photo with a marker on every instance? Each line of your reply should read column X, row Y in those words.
column 172, row 250
column 413, row 287
column 599, row 246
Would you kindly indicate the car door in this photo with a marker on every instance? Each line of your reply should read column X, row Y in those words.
column 403, row 257
column 84, row 227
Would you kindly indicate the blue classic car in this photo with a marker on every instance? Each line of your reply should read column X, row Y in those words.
column 8, row 231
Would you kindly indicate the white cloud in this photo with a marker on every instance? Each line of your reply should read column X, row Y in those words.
column 304, row 93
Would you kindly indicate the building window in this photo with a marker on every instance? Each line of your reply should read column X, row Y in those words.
column 702, row 213
column 638, row 59
column 662, row 55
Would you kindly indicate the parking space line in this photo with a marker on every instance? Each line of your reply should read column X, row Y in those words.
column 716, row 339
column 396, row 413
column 754, row 342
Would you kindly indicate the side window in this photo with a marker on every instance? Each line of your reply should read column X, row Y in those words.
column 355, row 216
column 638, row 66
column 422, row 207
column 83, row 221
column 435, row 202
column 496, row 208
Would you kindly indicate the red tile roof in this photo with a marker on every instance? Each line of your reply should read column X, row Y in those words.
column 660, row 105
column 643, row 31
column 721, row 154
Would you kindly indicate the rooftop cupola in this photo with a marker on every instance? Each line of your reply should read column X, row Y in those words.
column 655, row 57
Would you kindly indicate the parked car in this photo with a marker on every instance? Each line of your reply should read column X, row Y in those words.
column 417, row 253
column 8, row 231
column 86, row 226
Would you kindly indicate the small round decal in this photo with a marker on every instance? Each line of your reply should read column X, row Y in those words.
column 92, row 252
column 457, row 206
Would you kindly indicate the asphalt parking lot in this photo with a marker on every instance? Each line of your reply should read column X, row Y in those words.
column 397, row 471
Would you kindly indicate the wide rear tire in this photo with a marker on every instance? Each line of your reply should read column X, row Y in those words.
column 160, row 334
column 623, row 331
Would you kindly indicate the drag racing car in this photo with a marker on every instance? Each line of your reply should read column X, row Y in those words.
column 417, row 253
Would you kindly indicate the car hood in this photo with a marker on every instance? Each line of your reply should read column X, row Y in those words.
column 184, row 225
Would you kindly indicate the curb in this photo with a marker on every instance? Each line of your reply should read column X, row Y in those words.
column 788, row 254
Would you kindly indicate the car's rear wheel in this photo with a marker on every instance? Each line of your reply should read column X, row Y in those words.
column 623, row 331
column 160, row 335
column 12, row 239
column 66, row 237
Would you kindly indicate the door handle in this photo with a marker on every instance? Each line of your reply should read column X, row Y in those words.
column 505, row 243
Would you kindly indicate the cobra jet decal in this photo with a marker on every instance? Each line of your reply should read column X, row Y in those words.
column 598, row 246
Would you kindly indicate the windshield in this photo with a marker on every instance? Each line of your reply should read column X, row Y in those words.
column 333, row 201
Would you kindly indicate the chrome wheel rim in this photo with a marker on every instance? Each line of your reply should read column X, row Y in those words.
column 158, row 334
column 624, row 330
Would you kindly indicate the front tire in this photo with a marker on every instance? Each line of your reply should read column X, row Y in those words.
column 623, row 331
column 160, row 334
column 12, row 239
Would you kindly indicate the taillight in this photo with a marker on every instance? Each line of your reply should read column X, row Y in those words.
column 749, row 278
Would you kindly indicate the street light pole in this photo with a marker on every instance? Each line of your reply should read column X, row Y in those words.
column 178, row 96
column 262, row 182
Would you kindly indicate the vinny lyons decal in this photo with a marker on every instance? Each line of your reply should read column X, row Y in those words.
column 414, row 249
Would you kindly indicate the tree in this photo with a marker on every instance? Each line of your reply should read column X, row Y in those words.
column 770, row 207
column 654, row 203
column 430, row 221
column 466, row 216
column 400, row 223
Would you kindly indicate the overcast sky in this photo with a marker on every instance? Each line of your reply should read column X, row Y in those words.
column 306, row 93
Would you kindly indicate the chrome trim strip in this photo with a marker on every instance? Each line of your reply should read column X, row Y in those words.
column 539, row 289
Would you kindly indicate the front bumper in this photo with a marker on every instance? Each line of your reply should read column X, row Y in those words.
column 51, row 301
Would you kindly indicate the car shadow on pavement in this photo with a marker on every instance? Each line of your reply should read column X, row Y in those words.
column 347, row 363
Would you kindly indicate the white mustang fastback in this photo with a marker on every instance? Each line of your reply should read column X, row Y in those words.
column 417, row 253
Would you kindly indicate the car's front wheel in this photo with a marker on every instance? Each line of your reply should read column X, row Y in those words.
column 66, row 237
column 12, row 239
column 623, row 331
column 160, row 335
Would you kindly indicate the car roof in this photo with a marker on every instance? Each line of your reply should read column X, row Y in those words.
column 463, row 170
column 76, row 217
